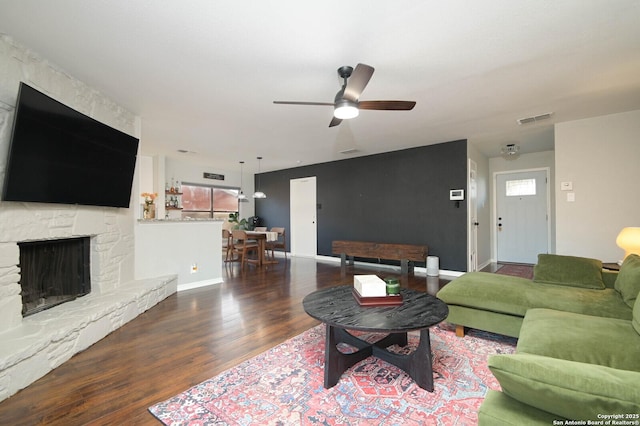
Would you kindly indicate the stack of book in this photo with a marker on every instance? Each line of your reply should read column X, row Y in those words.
column 369, row 290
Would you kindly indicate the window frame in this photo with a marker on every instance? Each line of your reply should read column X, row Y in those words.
column 211, row 212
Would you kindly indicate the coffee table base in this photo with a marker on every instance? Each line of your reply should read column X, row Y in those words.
column 418, row 364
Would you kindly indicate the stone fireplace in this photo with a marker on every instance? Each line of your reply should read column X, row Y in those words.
column 111, row 248
column 34, row 345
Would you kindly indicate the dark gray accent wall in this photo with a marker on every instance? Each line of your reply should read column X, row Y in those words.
column 394, row 197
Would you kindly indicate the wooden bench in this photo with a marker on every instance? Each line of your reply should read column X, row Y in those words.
column 402, row 252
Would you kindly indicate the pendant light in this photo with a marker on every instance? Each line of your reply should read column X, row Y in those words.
column 258, row 193
column 241, row 197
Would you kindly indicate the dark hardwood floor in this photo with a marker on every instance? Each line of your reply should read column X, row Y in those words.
column 184, row 340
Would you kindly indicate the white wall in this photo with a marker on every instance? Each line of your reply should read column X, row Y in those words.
column 174, row 247
column 601, row 157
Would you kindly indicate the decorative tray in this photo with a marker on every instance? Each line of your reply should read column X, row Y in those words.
column 395, row 300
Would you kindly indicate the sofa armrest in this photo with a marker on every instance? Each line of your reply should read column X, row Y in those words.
column 569, row 389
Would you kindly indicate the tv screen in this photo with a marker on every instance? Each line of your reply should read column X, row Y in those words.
column 59, row 155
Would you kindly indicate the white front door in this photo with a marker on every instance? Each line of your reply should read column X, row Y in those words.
column 303, row 217
column 522, row 223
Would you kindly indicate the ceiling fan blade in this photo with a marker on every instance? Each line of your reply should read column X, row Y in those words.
column 387, row 105
column 303, row 103
column 357, row 82
column 335, row 121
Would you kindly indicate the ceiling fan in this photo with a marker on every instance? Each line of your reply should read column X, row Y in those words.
column 347, row 104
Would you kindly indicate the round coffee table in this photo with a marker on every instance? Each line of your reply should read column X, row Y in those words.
column 338, row 309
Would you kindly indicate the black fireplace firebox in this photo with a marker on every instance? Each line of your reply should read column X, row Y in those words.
column 53, row 272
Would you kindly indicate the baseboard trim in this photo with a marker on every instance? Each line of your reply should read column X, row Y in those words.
column 198, row 284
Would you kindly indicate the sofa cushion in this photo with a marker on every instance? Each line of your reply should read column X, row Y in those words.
column 569, row 271
column 486, row 291
column 498, row 409
column 570, row 389
column 576, row 337
column 603, row 303
column 628, row 281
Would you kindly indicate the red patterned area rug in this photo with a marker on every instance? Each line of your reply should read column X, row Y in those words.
column 516, row 270
column 284, row 386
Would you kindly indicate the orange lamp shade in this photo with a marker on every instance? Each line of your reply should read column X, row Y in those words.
column 629, row 240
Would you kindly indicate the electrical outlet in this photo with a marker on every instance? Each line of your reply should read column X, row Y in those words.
column 194, row 268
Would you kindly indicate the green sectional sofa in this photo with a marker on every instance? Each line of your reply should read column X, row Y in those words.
column 577, row 359
column 498, row 303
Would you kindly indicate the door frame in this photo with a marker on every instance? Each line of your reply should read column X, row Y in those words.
column 494, row 206
column 472, row 216
column 294, row 228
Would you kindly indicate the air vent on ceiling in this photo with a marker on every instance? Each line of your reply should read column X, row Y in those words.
column 535, row 118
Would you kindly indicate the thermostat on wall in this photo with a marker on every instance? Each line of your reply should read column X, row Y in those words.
column 456, row 194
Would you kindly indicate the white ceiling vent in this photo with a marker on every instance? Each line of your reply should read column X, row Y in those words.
column 535, row 118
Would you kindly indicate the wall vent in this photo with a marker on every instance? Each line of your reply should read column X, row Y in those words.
column 535, row 118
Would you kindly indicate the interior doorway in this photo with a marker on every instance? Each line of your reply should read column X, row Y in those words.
column 522, row 215
column 303, row 217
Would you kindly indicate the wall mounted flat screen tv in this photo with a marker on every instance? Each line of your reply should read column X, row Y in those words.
column 59, row 155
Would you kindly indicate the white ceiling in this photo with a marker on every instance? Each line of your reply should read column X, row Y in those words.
column 202, row 74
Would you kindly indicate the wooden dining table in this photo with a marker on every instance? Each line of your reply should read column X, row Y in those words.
column 262, row 237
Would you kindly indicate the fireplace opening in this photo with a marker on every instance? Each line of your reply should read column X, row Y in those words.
column 53, row 272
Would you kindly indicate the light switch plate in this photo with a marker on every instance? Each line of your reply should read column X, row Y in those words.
column 571, row 197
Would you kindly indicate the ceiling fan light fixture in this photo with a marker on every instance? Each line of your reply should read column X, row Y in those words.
column 346, row 109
